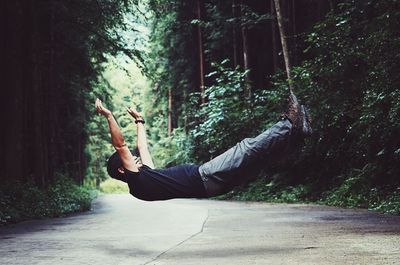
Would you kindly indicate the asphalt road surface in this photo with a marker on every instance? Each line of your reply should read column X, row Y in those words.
column 123, row 230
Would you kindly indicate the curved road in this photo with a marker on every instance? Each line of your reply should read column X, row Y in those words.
column 123, row 230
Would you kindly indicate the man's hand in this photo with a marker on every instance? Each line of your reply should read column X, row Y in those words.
column 136, row 115
column 102, row 110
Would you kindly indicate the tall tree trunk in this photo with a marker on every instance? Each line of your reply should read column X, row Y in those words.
column 38, row 157
column 185, row 117
column 246, row 63
column 234, row 35
column 274, row 41
column 285, row 49
column 169, row 112
column 97, row 165
column 201, row 53
column 51, row 99
column 245, row 49
column 31, row 50
column 80, row 160
column 331, row 5
column 293, row 23
column 14, row 71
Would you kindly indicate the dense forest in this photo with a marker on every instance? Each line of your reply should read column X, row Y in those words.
column 52, row 53
column 220, row 67
column 217, row 71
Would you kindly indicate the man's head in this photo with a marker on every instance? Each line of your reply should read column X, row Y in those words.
column 114, row 165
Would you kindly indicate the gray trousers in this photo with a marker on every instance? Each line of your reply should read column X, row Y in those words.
column 244, row 160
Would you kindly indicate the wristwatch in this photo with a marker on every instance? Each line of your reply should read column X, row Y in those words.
column 141, row 121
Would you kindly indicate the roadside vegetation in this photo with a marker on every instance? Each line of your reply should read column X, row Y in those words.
column 23, row 201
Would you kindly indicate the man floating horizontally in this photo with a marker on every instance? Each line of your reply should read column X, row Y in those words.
column 215, row 177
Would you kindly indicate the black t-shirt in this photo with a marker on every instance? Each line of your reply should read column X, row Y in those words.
column 181, row 181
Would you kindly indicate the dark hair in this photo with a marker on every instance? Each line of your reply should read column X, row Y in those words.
column 115, row 162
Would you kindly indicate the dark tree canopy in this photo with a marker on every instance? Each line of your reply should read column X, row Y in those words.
column 51, row 55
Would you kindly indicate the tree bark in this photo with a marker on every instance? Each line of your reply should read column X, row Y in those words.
column 331, row 5
column 169, row 112
column 245, row 49
column 16, row 23
column 234, row 35
column 201, row 53
column 185, row 117
column 285, row 49
column 293, row 23
column 274, row 41
column 246, row 63
column 51, row 99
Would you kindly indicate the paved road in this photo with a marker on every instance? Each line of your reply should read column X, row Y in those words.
column 123, row 230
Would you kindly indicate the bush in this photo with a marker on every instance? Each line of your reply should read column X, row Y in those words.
column 356, row 191
column 269, row 190
column 172, row 150
column 229, row 109
column 113, row 186
column 352, row 193
column 22, row 201
column 388, row 204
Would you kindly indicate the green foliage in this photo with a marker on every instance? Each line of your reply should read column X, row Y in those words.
column 172, row 150
column 22, row 201
column 354, row 191
column 351, row 86
column 349, row 194
column 388, row 204
column 265, row 189
column 98, row 147
column 172, row 40
column 229, row 109
column 350, row 83
column 112, row 186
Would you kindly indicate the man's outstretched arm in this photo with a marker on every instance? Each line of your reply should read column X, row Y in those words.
column 117, row 139
column 142, row 139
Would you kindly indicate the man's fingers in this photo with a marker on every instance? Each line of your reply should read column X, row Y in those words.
column 131, row 111
column 99, row 106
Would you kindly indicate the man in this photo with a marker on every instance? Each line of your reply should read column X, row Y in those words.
column 213, row 178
